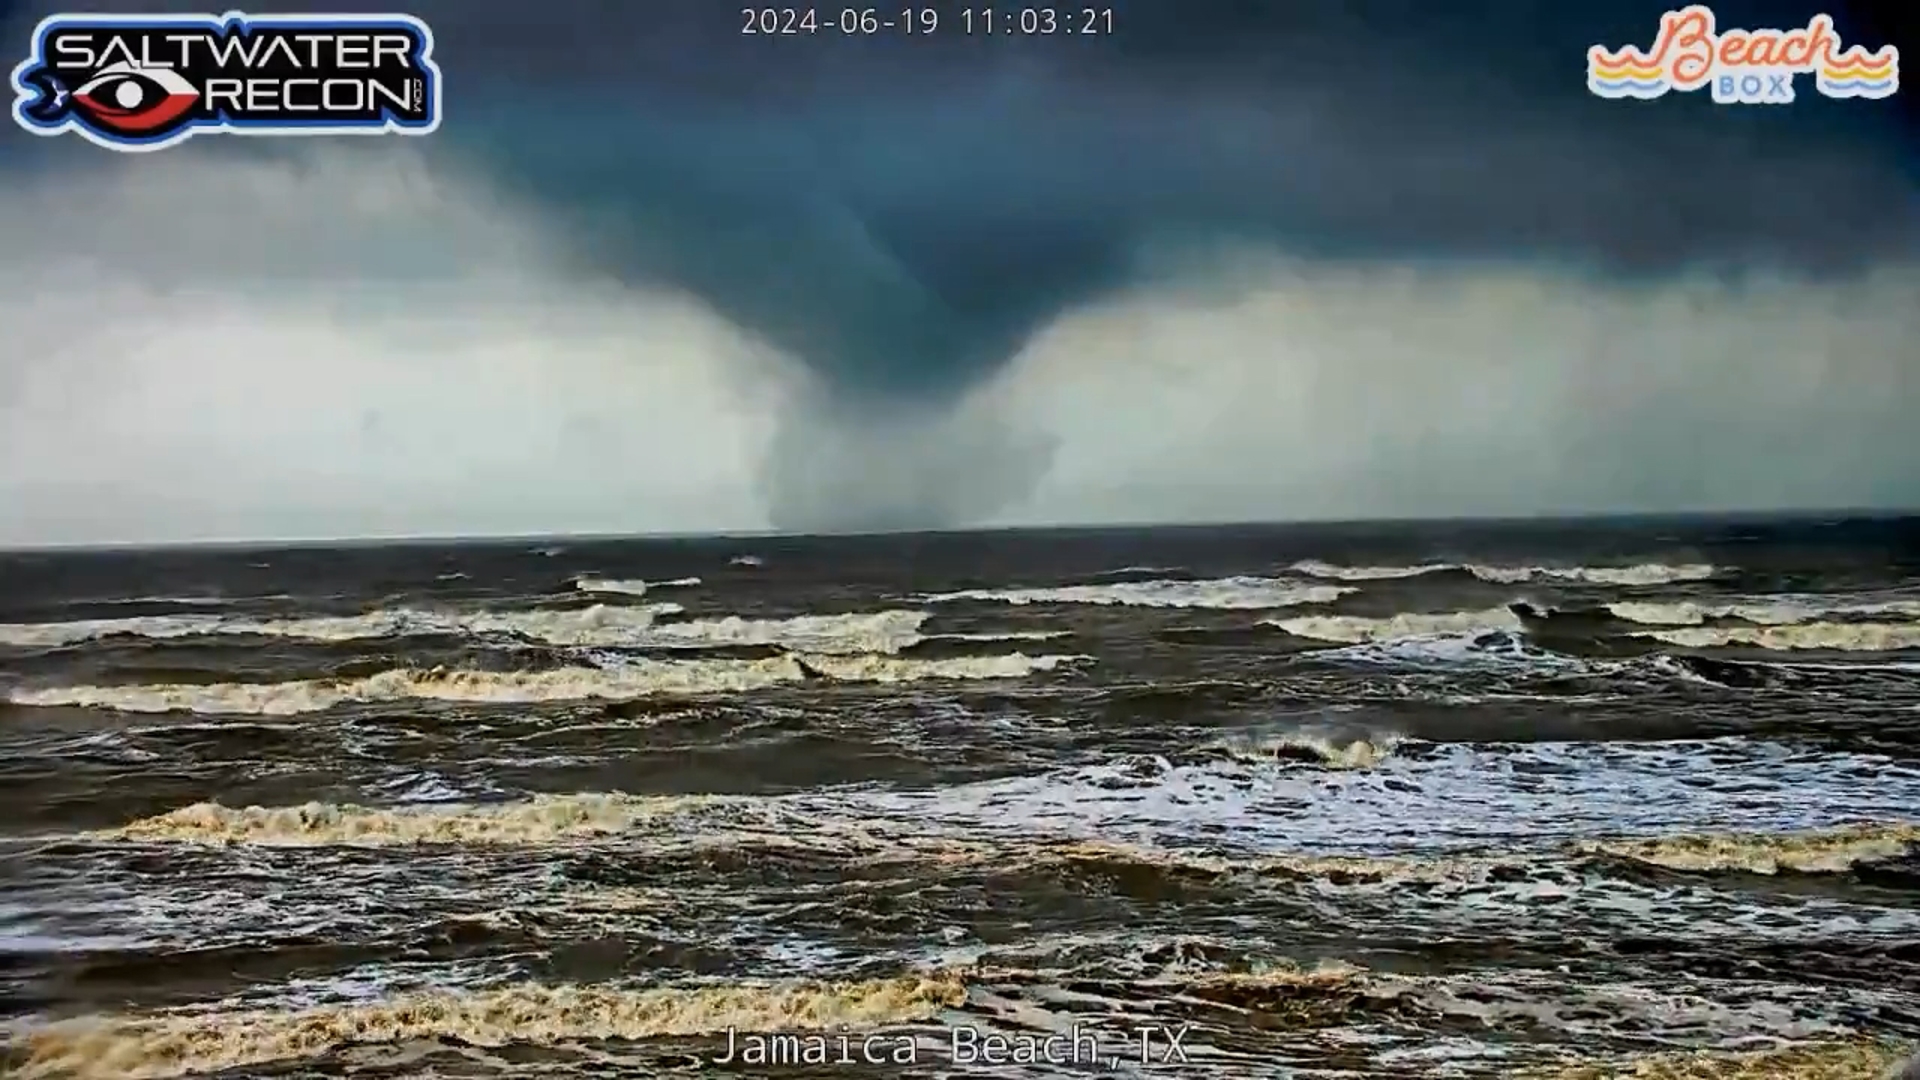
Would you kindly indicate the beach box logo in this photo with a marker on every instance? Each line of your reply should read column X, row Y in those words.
column 145, row 82
column 1742, row 67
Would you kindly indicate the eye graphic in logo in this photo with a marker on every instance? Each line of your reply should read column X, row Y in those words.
column 127, row 99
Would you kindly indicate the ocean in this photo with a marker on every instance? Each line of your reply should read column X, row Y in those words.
column 1557, row 799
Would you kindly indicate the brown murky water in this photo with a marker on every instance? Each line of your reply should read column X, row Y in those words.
column 1273, row 802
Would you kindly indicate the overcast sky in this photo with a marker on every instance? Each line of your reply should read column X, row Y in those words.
column 1236, row 260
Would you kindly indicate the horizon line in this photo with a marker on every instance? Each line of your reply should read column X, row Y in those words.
column 478, row 539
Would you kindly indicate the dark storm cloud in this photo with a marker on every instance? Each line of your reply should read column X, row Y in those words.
column 1214, row 266
column 903, row 214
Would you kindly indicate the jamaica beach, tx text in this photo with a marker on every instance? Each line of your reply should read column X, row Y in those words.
column 1081, row 1046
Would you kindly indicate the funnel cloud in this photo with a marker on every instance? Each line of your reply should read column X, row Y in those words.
column 677, row 279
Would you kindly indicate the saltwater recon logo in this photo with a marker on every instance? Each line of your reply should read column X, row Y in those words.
column 147, row 82
column 1742, row 67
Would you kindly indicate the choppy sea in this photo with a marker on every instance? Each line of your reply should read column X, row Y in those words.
column 1565, row 800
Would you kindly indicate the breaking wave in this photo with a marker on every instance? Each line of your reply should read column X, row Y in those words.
column 533, row 821
column 590, row 583
column 1431, row 870
column 1334, row 753
column 166, row 1044
column 542, row 819
column 1827, row 851
column 1838, row 637
column 629, row 680
column 181, row 1044
column 878, row 831
column 877, row 632
column 1764, row 611
column 1827, row 1059
column 599, row 626
column 1784, row 636
column 1641, row 574
column 1822, row 851
column 1234, row 593
column 1361, row 630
